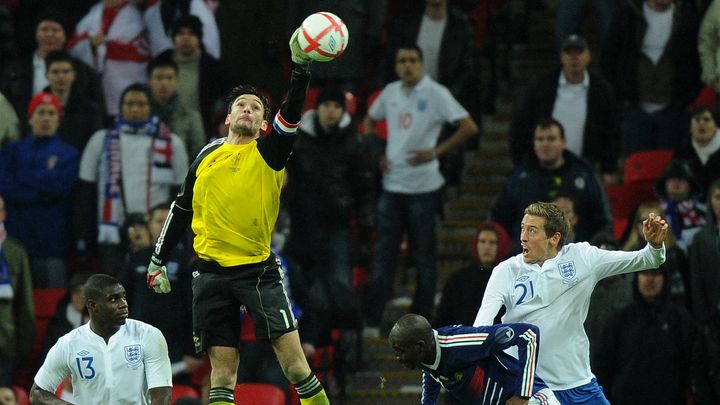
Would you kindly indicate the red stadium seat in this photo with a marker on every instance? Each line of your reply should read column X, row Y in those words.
column 253, row 393
column 183, row 391
column 647, row 165
column 22, row 396
column 311, row 97
column 46, row 300
column 380, row 126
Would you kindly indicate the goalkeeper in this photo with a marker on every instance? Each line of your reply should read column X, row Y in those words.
column 231, row 197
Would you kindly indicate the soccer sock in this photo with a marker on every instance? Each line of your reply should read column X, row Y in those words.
column 311, row 392
column 221, row 396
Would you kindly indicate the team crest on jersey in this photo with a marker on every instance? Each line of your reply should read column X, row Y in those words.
column 422, row 104
column 133, row 355
column 458, row 376
column 567, row 272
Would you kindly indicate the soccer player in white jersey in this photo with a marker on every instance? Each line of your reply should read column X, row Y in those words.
column 549, row 285
column 111, row 359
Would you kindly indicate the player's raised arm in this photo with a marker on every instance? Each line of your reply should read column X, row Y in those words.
column 655, row 230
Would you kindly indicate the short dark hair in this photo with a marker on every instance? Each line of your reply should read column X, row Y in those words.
column 96, row 285
column 548, row 122
column 238, row 91
column 58, row 56
column 160, row 206
column 705, row 108
column 162, row 60
column 191, row 22
column 409, row 46
column 555, row 220
column 137, row 86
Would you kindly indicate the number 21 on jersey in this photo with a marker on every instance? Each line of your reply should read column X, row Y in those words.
column 524, row 290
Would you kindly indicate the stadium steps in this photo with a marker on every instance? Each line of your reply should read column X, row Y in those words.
column 382, row 380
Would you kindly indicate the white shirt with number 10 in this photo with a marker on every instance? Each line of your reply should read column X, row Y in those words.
column 415, row 117
column 121, row 371
column 555, row 298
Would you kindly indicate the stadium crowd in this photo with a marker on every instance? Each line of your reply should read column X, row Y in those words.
column 104, row 106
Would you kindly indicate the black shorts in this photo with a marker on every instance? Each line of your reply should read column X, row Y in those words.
column 220, row 293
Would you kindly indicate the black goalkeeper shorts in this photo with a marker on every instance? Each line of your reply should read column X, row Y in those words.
column 221, row 293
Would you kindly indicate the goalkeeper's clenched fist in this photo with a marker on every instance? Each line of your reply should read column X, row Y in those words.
column 157, row 278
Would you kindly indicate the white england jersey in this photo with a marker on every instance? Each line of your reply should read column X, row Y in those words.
column 556, row 297
column 121, row 371
column 414, row 120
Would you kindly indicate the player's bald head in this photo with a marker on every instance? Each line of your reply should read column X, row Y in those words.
column 411, row 327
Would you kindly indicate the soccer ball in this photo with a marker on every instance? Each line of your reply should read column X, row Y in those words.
column 323, row 36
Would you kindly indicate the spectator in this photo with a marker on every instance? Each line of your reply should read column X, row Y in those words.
column 81, row 116
column 570, row 15
column 706, row 384
column 185, row 123
column 464, row 289
column 17, row 314
column 704, row 254
column 330, row 184
column 26, row 76
column 679, row 193
column 127, row 169
column 582, row 101
column 679, row 277
column 364, row 19
column 647, row 347
column 445, row 37
column 566, row 203
column 162, row 16
column 709, row 46
column 7, row 395
column 702, row 149
column 112, row 38
column 152, row 308
column 198, row 85
column 37, row 175
column 415, row 107
column 549, row 171
column 610, row 295
column 70, row 313
column 651, row 58
column 9, row 124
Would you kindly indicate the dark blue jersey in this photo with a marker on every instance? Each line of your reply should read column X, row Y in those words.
column 471, row 365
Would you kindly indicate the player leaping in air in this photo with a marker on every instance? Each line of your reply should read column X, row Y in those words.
column 231, row 196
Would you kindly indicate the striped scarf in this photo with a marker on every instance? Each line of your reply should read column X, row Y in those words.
column 113, row 208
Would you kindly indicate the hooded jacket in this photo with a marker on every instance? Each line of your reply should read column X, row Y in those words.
column 647, row 351
column 464, row 289
column 331, row 180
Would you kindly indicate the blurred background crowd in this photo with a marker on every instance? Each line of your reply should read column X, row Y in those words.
column 105, row 104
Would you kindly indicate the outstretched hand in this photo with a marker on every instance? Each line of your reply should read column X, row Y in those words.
column 298, row 56
column 655, row 230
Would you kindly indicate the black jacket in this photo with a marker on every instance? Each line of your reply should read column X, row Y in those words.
column 647, row 353
column 623, row 48
column 601, row 138
column 16, row 83
column 331, row 179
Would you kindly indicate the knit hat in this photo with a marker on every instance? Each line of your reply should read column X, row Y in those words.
column 677, row 169
column 331, row 94
column 43, row 98
column 189, row 21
